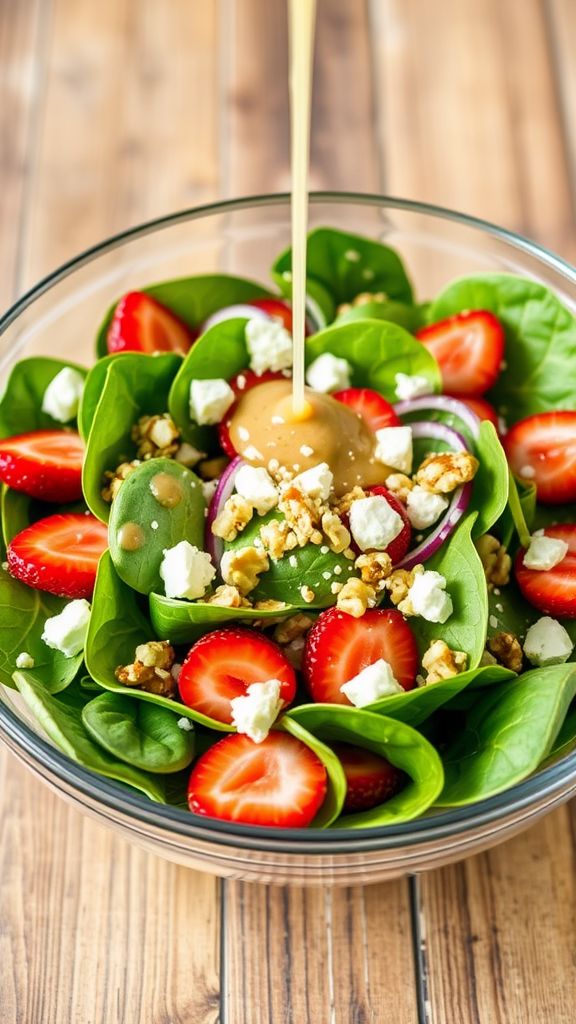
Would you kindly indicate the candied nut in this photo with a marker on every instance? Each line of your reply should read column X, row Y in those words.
column 374, row 566
column 227, row 597
column 289, row 629
column 269, row 605
column 399, row 582
column 307, row 594
column 278, row 538
column 337, row 535
column 302, row 515
column 156, row 436
column 235, row 515
column 155, row 654
column 507, row 650
column 441, row 662
column 113, row 479
column 211, row 469
column 400, row 485
column 443, row 472
column 495, row 559
column 150, row 670
column 343, row 504
column 355, row 597
column 242, row 568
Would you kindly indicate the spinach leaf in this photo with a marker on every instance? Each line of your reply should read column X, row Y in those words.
column 565, row 741
column 511, row 613
column 507, row 734
column 490, row 488
column 21, row 402
column 336, row 793
column 15, row 508
column 23, row 612
column 140, row 734
column 391, row 739
column 183, row 622
column 377, row 351
column 63, row 725
column 415, row 706
column 132, row 388
column 159, row 527
column 540, row 370
column 518, row 516
column 410, row 318
column 345, row 265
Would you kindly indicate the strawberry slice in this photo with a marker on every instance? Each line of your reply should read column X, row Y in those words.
column 45, row 464
column 400, row 545
column 552, row 590
column 59, row 554
column 370, row 405
column 242, row 382
column 141, row 324
column 370, row 779
column 542, row 448
column 224, row 663
column 469, row 348
column 482, row 408
column 278, row 782
column 339, row 646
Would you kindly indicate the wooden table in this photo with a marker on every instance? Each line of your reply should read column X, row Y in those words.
column 114, row 111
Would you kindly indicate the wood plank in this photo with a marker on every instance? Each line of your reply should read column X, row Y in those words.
column 561, row 20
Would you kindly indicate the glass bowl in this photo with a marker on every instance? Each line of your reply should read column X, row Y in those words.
column 60, row 316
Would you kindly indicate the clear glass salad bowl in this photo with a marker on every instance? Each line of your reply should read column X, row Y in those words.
column 59, row 317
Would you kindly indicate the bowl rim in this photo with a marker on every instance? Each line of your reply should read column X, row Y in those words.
column 38, row 753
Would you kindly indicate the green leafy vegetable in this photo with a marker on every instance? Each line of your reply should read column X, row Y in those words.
column 138, row 733
column 21, row 402
column 411, row 318
column 183, row 622
column 518, row 516
column 336, row 793
column 490, row 489
column 415, row 706
column 565, row 742
column 15, row 508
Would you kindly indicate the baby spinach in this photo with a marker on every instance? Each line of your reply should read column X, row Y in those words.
column 159, row 527
column 518, row 516
column 193, row 299
column 132, row 388
column 409, row 317
column 394, row 740
column 415, row 706
column 376, row 351
column 183, row 622
column 63, row 725
column 490, row 488
column 336, row 793
column 539, row 374
column 507, row 734
column 23, row 612
column 511, row 613
column 345, row 265
column 21, row 402
column 141, row 734
column 565, row 742
column 15, row 508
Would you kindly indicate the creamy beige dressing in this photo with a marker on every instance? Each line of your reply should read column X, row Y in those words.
column 167, row 491
column 131, row 537
column 264, row 426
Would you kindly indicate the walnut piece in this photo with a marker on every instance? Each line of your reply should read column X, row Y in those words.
column 302, row 515
column 399, row 582
column 375, row 567
column 242, row 568
column 495, row 559
column 156, row 437
column 400, row 485
column 443, row 472
column 113, row 479
column 235, row 515
column 337, row 535
column 278, row 538
column 296, row 626
column 211, row 469
column 507, row 650
column 440, row 662
column 228, row 597
column 362, row 299
column 356, row 597
column 343, row 504
column 150, row 669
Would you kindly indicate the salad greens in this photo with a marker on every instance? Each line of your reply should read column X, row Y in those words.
column 21, row 402
column 138, row 733
column 183, row 622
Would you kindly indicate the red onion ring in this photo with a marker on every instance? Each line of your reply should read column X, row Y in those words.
column 214, row 545
column 229, row 312
column 443, row 403
column 439, row 432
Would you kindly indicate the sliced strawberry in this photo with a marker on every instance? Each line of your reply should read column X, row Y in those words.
column 469, row 348
column 370, row 405
column 482, row 408
column 45, row 464
column 400, row 545
column 278, row 782
column 552, row 590
column 141, row 324
column 542, row 448
column 370, row 779
column 276, row 309
column 223, row 664
column 242, row 382
column 339, row 646
column 59, row 554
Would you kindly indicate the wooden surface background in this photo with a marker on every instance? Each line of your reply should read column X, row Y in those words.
column 114, row 111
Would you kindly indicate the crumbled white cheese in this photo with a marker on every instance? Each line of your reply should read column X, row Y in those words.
column 25, row 660
column 329, row 373
column 352, row 255
column 424, row 508
column 257, row 486
column 188, row 455
column 374, row 524
column 67, row 631
column 306, row 451
column 547, row 643
column 371, row 684
column 210, row 400
column 269, row 345
column 255, row 713
column 428, row 597
column 62, row 396
column 544, row 552
column 186, row 571
column 408, row 387
column 185, row 724
column 316, row 482
column 394, row 448
column 208, row 489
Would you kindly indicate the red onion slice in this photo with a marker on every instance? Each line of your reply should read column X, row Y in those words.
column 443, row 403
column 214, row 545
column 439, row 432
column 229, row 312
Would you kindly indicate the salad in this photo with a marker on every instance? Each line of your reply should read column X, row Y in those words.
column 344, row 616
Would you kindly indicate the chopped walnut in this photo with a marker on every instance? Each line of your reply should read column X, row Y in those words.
column 495, row 559
column 289, row 629
column 278, row 538
column 270, row 605
column 343, row 504
column 337, row 535
column 399, row 582
column 356, row 597
column 155, row 654
column 187, row 455
column 375, row 567
column 443, row 472
column 360, row 300
column 211, row 469
column 400, row 485
column 242, row 568
column 441, row 662
column 507, row 650
column 228, row 597
column 307, row 594
column 235, row 515
column 150, row 670
column 302, row 515
column 155, row 437
column 113, row 479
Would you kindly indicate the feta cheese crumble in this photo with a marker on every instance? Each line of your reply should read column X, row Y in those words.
column 394, row 448
column 316, row 481
column 185, row 724
column 269, row 345
column 371, row 684
column 186, row 571
column 210, row 400
column 374, row 524
column 547, row 643
column 428, row 597
column 67, row 631
column 25, row 660
column 329, row 373
column 62, row 396
column 544, row 552
column 255, row 713
column 424, row 508
column 408, row 386
column 257, row 487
